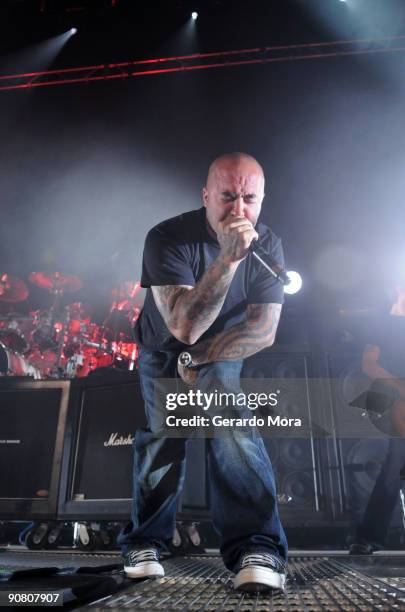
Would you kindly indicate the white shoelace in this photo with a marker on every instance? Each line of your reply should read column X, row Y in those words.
column 142, row 556
column 263, row 559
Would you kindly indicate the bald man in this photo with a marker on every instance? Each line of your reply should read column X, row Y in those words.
column 209, row 305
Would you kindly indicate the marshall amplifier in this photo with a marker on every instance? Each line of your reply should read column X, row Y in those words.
column 32, row 425
column 97, row 469
column 97, row 472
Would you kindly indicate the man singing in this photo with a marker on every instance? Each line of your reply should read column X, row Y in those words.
column 209, row 305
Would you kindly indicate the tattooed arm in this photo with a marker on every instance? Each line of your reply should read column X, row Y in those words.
column 189, row 311
column 242, row 340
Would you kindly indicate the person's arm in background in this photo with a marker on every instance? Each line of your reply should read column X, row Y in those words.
column 375, row 371
column 371, row 367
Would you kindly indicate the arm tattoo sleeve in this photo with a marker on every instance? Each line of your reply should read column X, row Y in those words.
column 189, row 311
column 165, row 298
column 244, row 339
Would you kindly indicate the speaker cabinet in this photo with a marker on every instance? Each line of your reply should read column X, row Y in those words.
column 295, row 458
column 97, row 475
column 32, row 427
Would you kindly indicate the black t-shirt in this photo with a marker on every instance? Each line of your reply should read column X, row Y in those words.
column 178, row 252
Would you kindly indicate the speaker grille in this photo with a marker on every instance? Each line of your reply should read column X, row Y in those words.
column 109, row 417
column 28, row 428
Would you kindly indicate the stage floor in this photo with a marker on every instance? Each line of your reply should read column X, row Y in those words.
column 317, row 580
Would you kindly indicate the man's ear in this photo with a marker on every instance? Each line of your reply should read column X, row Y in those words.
column 204, row 194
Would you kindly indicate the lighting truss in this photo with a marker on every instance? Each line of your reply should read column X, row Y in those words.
column 200, row 61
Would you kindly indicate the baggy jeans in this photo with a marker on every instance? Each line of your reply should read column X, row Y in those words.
column 241, row 478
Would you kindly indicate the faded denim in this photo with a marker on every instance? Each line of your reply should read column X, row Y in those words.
column 242, row 484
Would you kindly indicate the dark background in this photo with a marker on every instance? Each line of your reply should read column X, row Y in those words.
column 86, row 170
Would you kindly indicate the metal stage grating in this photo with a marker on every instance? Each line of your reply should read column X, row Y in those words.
column 19, row 558
column 315, row 582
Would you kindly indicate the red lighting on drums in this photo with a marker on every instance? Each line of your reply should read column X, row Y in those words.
column 65, row 342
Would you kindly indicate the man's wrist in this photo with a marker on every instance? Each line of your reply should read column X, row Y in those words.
column 227, row 262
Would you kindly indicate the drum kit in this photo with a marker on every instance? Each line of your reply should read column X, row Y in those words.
column 64, row 342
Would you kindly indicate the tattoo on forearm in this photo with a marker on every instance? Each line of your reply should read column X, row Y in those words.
column 209, row 295
column 166, row 297
column 244, row 339
column 194, row 309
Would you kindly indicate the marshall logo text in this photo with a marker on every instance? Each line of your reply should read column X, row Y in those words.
column 114, row 440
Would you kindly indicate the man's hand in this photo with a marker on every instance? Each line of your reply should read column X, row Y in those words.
column 189, row 311
column 235, row 235
column 187, row 375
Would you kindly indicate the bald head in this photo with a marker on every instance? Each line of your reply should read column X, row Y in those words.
column 233, row 160
column 235, row 185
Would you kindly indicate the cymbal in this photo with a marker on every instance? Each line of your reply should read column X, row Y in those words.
column 12, row 289
column 55, row 282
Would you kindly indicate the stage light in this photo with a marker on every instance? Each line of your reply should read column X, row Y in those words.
column 73, row 31
column 194, row 15
column 295, row 283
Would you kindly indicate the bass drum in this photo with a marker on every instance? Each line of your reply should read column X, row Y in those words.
column 14, row 364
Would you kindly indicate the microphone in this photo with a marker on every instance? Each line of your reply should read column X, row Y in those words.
column 260, row 253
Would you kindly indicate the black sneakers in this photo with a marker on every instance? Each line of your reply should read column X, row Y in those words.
column 257, row 571
column 260, row 571
column 143, row 563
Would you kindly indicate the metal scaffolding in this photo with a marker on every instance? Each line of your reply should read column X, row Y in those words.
column 200, row 61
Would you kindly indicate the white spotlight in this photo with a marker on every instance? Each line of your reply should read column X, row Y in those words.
column 73, row 31
column 295, row 283
column 194, row 15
